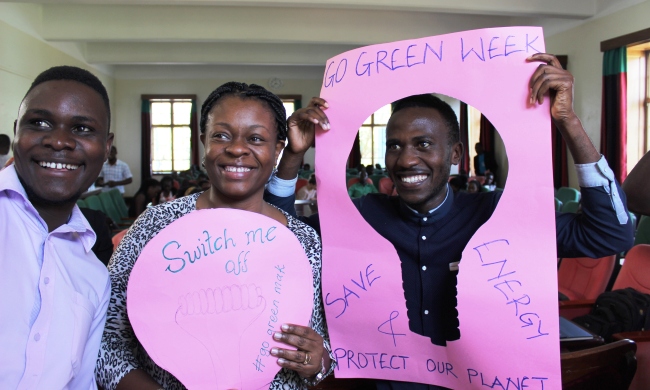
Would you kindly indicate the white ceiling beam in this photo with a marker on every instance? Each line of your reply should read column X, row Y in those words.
column 211, row 53
column 241, row 24
column 579, row 9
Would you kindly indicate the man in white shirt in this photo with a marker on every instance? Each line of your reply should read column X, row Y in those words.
column 55, row 290
column 115, row 173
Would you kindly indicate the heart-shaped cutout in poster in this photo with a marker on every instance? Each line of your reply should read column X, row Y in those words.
column 208, row 292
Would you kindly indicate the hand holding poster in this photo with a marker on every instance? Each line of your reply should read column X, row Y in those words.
column 208, row 292
column 507, row 300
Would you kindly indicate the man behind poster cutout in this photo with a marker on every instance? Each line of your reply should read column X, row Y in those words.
column 430, row 225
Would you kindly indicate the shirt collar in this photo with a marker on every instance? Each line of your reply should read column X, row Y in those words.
column 432, row 215
column 77, row 224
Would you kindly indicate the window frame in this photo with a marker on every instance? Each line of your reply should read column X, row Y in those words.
column 372, row 126
column 147, row 136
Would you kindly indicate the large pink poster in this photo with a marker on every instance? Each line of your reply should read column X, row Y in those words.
column 507, row 288
column 208, row 292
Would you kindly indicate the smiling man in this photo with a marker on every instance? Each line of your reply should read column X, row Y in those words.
column 56, row 291
column 429, row 225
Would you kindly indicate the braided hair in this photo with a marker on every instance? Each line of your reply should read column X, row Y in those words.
column 246, row 91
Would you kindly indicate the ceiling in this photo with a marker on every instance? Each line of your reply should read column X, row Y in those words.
column 291, row 34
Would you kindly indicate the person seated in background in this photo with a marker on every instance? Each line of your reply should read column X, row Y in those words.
column 204, row 184
column 489, row 181
column 370, row 170
column 483, row 161
column 435, row 224
column 473, row 187
column 55, row 289
column 305, row 171
column 637, row 187
column 308, row 191
column 5, row 146
column 167, row 193
column 115, row 173
column 149, row 192
column 457, row 184
column 379, row 168
column 362, row 187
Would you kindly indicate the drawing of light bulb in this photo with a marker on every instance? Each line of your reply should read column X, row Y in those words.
column 218, row 318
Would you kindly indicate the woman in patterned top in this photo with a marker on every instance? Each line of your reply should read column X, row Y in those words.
column 243, row 128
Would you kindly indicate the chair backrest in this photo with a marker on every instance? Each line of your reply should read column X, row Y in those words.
column 118, row 201
column 558, row 204
column 643, row 231
column 386, row 186
column 608, row 366
column 565, row 194
column 118, row 237
column 375, row 179
column 583, row 277
column 94, row 203
column 109, row 207
column 635, row 271
column 301, row 183
column 570, row 206
column 81, row 203
column 355, row 180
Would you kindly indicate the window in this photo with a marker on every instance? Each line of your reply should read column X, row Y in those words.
column 291, row 103
column 638, row 103
column 372, row 137
column 172, row 134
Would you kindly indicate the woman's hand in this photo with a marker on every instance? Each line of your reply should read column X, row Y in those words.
column 307, row 360
column 302, row 125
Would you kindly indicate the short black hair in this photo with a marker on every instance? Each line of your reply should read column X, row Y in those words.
column 246, row 91
column 79, row 75
column 5, row 141
column 430, row 101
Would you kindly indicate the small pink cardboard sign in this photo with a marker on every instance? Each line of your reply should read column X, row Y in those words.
column 507, row 283
column 207, row 293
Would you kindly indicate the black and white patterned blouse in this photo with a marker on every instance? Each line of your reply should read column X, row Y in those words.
column 120, row 351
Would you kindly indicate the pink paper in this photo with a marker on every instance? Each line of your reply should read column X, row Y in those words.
column 207, row 293
column 509, row 331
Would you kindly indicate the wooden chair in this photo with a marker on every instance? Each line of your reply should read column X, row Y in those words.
column 610, row 366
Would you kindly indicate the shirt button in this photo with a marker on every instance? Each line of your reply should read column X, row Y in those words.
column 37, row 336
column 424, row 237
column 424, row 219
column 46, row 280
column 424, row 268
column 426, row 312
